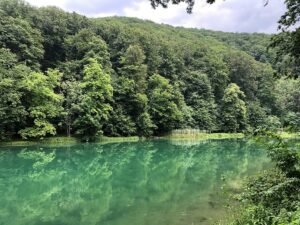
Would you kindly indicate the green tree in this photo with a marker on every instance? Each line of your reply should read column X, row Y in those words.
column 170, row 64
column 52, row 23
column 265, row 88
column 287, row 101
column 209, row 62
column 94, row 107
column 22, row 39
column 287, row 42
column 287, row 93
column 233, row 110
column 72, row 92
column 43, row 104
column 292, row 121
column 243, row 71
column 16, row 8
column 133, row 67
column 257, row 115
column 120, row 121
column 165, row 104
column 80, row 48
column 12, row 110
column 198, row 95
column 135, row 101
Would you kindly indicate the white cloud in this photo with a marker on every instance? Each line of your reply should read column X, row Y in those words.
column 40, row 3
column 143, row 10
column 229, row 15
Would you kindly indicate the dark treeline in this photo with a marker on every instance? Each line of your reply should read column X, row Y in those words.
column 65, row 74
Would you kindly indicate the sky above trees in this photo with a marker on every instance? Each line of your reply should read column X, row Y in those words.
column 229, row 15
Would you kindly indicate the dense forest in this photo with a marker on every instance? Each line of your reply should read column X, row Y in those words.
column 65, row 74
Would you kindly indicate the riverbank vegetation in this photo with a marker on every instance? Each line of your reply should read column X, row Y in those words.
column 65, row 74
column 57, row 141
column 273, row 197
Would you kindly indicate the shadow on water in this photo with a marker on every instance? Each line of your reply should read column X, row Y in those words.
column 141, row 183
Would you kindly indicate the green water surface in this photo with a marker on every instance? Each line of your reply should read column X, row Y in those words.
column 135, row 183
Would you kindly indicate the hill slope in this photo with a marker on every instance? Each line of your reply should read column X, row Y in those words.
column 65, row 73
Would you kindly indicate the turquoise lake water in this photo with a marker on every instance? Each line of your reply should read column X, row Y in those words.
column 134, row 183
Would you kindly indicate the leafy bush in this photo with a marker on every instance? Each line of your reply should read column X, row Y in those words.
column 273, row 198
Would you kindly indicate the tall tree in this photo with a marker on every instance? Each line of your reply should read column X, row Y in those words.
column 120, row 121
column 198, row 95
column 94, row 107
column 136, row 103
column 166, row 104
column 233, row 110
column 243, row 70
column 43, row 104
column 287, row 92
column 257, row 115
column 12, row 110
column 72, row 92
column 133, row 67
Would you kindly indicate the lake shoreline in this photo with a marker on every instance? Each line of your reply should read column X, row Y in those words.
column 105, row 139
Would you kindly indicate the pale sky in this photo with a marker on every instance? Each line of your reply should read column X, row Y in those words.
column 224, row 15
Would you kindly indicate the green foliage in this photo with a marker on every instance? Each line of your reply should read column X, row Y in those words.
column 22, row 39
column 119, row 123
column 195, row 68
column 257, row 115
column 94, row 105
column 273, row 197
column 255, row 44
column 43, row 103
column 292, row 121
column 72, row 92
column 82, row 46
column 272, row 123
column 242, row 71
column 165, row 103
column 133, row 67
column 234, row 110
column 198, row 95
column 287, row 93
column 265, row 88
column 163, row 78
column 134, row 85
column 287, row 42
column 12, row 111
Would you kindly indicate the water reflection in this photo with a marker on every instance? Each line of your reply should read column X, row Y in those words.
column 153, row 182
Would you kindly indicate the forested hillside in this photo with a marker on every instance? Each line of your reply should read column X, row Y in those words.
column 64, row 74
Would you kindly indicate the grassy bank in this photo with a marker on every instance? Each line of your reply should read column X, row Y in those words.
column 105, row 139
column 45, row 141
column 176, row 135
column 289, row 135
column 64, row 141
column 202, row 136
